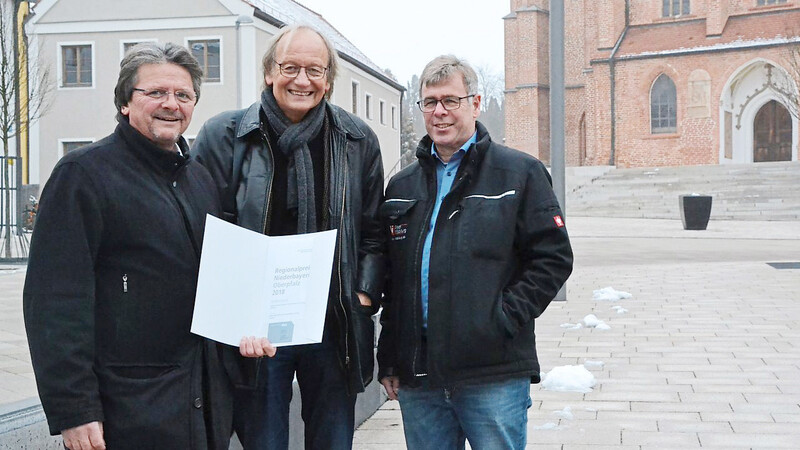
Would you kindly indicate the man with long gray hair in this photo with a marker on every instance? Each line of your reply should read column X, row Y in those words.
column 293, row 163
column 112, row 274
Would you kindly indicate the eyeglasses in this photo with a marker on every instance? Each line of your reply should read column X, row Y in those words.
column 158, row 94
column 427, row 105
column 292, row 71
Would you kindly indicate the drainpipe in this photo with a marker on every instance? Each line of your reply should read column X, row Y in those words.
column 612, row 74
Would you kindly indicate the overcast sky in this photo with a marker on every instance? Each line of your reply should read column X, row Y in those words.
column 403, row 36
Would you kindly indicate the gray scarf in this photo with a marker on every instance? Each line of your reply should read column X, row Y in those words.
column 293, row 141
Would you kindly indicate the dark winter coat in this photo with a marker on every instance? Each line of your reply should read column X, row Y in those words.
column 500, row 253
column 109, row 295
column 239, row 156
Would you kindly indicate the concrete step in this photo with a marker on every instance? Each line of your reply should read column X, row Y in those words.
column 749, row 191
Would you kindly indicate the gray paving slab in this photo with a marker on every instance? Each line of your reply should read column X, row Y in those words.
column 707, row 351
column 706, row 355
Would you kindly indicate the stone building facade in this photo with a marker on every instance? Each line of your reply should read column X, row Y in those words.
column 659, row 83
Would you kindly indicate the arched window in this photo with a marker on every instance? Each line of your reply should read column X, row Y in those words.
column 663, row 106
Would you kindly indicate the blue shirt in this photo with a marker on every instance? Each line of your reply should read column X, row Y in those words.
column 445, row 174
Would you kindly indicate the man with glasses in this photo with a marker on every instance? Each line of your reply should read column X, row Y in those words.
column 111, row 280
column 477, row 249
column 293, row 163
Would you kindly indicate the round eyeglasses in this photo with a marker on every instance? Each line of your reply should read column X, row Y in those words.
column 293, row 70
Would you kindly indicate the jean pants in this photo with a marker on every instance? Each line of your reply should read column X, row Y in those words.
column 261, row 417
column 488, row 415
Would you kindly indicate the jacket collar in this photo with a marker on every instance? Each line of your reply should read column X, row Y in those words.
column 474, row 155
column 164, row 160
column 340, row 121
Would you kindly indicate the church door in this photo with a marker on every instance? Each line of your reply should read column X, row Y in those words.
column 772, row 133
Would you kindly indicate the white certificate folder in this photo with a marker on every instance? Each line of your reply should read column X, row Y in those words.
column 251, row 284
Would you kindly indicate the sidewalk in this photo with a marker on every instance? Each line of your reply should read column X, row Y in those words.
column 705, row 357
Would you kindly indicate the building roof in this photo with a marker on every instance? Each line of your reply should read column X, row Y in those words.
column 289, row 12
column 662, row 39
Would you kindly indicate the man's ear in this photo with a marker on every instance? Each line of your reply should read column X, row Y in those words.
column 476, row 106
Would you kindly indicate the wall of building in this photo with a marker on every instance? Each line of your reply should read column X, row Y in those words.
column 593, row 29
column 88, row 113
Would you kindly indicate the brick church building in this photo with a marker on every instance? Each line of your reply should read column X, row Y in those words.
column 659, row 82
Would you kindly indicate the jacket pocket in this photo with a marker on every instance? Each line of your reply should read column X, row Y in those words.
column 486, row 224
column 395, row 215
column 150, row 403
column 478, row 338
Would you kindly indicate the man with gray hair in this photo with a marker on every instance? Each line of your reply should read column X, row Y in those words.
column 111, row 280
column 293, row 163
column 477, row 249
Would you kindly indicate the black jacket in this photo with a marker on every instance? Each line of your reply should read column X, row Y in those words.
column 238, row 155
column 109, row 295
column 500, row 253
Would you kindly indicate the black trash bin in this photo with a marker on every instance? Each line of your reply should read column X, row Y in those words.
column 695, row 211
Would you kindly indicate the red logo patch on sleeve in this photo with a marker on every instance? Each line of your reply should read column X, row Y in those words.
column 559, row 221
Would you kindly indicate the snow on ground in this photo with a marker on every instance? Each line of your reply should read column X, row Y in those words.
column 620, row 309
column 565, row 413
column 568, row 379
column 572, row 326
column 609, row 294
column 592, row 321
column 592, row 364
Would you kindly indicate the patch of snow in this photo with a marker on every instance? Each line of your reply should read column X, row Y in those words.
column 569, row 379
column 620, row 309
column 571, row 326
column 609, row 294
column 592, row 364
column 547, row 426
column 565, row 413
column 592, row 321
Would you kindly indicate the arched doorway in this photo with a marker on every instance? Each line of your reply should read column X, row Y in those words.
column 772, row 133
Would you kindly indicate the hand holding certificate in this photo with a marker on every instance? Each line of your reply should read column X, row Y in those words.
column 256, row 285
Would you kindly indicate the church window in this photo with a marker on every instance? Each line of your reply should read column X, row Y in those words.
column 663, row 106
column 674, row 8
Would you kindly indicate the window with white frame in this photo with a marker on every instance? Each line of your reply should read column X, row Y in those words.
column 354, row 107
column 770, row 2
column 368, row 106
column 68, row 145
column 394, row 117
column 382, row 112
column 127, row 45
column 76, row 65
column 207, row 52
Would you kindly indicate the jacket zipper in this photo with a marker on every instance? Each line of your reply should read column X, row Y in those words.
column 267, row 210
column 339, row 270
column 418, row 295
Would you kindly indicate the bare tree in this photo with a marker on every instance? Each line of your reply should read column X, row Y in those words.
column 789, row 88
column 17, row 111
column 491, row 84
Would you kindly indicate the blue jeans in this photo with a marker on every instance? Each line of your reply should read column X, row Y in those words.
column 261, row 417
column 489, row 415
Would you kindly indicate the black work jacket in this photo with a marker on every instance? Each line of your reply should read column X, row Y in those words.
column 238, row 154
column 109, row 296
column 499, row 255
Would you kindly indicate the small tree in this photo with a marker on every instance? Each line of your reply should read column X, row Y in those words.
column 17, row 111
